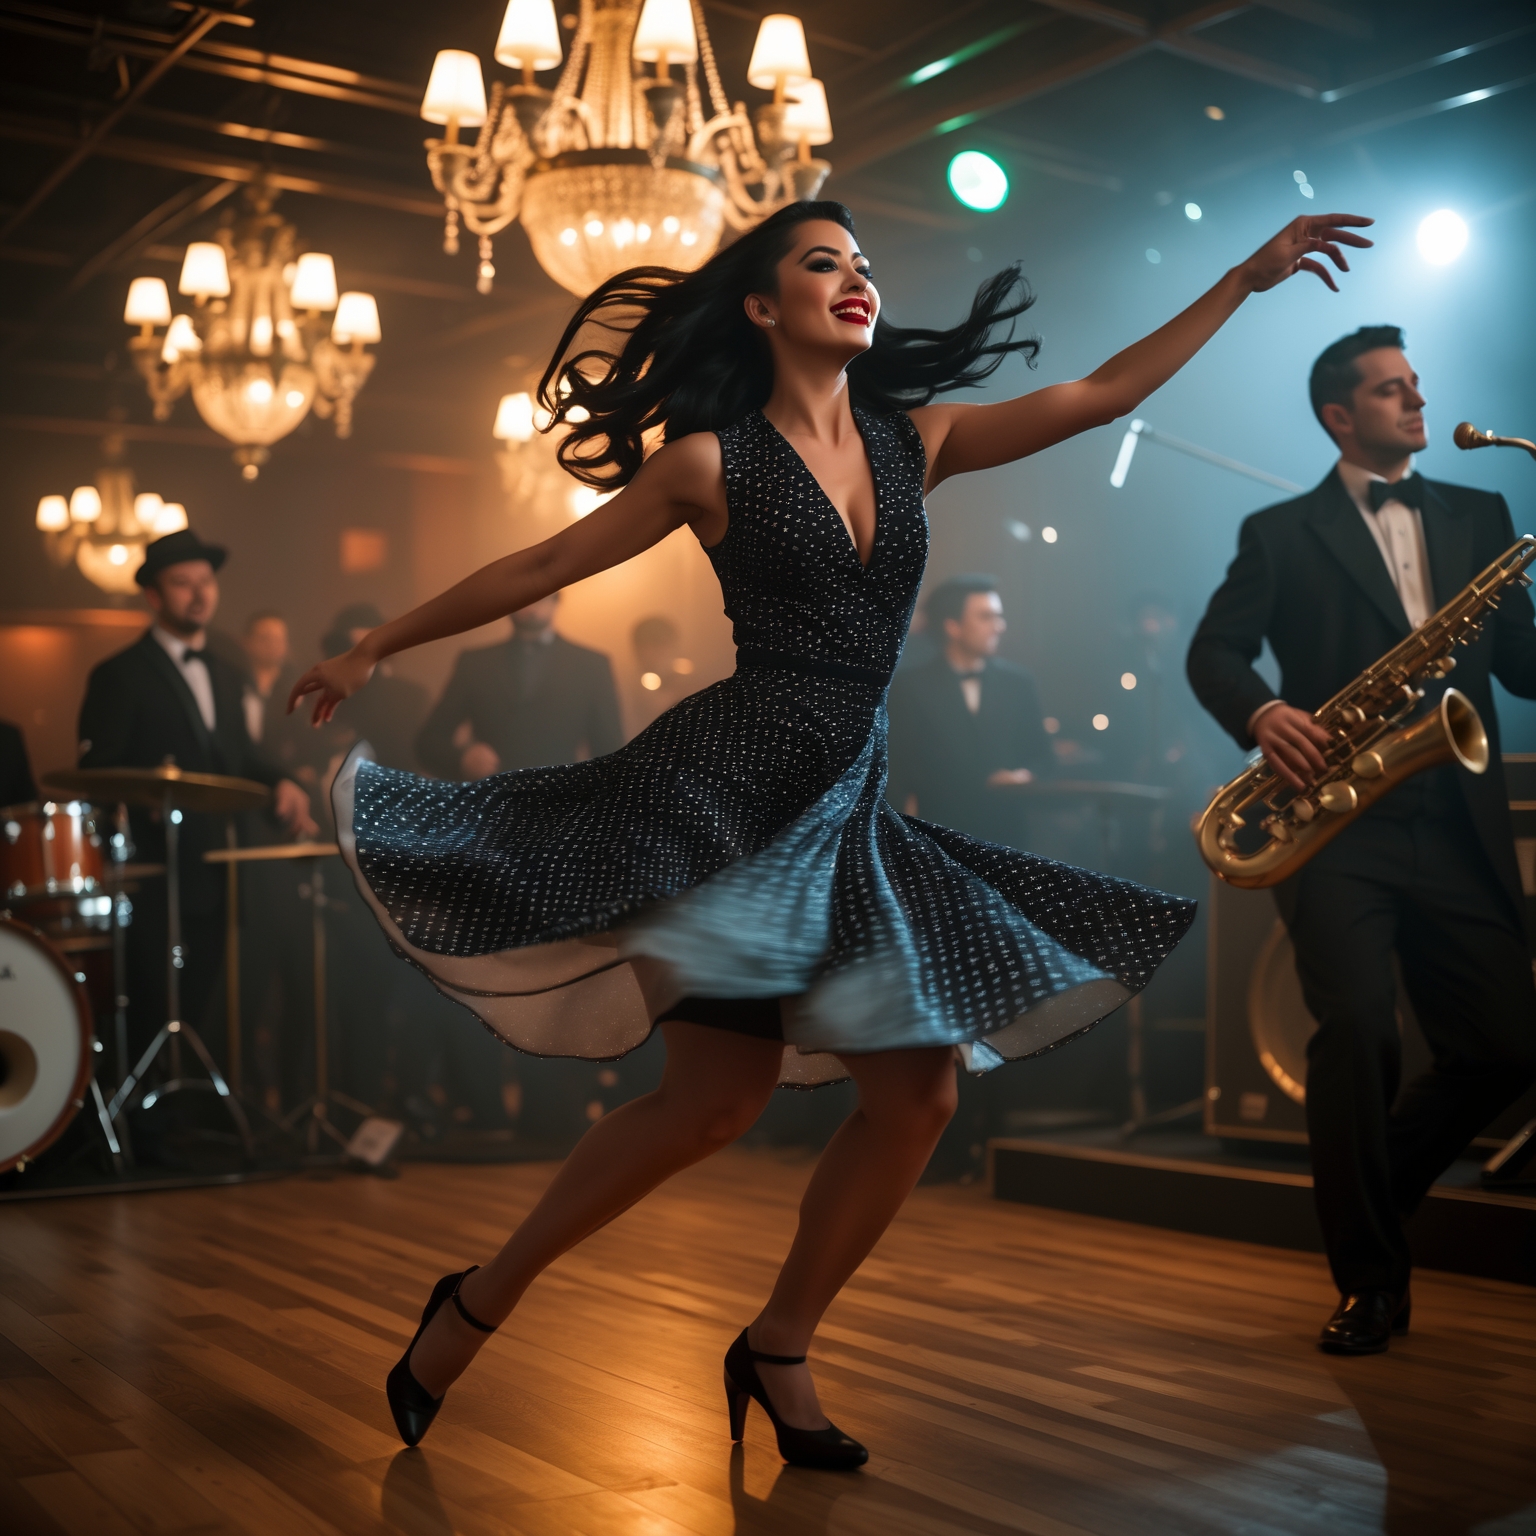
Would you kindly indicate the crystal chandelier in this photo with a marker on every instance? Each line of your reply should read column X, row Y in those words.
column 104, row 528
column 254, row 351
column 635, row 157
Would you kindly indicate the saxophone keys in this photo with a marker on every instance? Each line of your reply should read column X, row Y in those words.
column 1279, row 829
column 1338, row 797
column 1368, row 765
column 1302, row 811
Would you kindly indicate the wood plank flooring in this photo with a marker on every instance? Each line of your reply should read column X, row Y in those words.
column 214, row 1361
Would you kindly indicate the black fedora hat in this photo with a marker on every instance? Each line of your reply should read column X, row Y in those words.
column 174, row 549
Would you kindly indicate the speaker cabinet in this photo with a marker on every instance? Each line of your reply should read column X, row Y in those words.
column 1257, row 1025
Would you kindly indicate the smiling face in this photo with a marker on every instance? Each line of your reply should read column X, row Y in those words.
column 825, row 300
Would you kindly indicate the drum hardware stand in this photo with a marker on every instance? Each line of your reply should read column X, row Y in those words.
column 314, row 1113
column 317, row 1106
column 172, row 1031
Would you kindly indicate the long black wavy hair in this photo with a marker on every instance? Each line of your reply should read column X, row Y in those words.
column 691, row 361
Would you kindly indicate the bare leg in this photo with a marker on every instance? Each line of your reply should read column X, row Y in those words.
column 906, row 1098
column 715, row 1085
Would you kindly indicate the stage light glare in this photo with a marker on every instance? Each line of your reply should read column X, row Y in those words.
column 1128, row 680
column 1048, row 534
column 1154, row 256
column 1101, row 722
column 1442, row 237
column 1215, row 114
column 1052, row 725
column 650, row 681
column 1299, row 177
column 978, row 181
column 1193, row 212
column 1020, row 531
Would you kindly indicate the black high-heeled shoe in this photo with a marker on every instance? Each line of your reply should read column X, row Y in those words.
column 413, row 1406
column 829, row 1448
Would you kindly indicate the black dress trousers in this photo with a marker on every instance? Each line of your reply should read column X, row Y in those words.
column 1420, row 888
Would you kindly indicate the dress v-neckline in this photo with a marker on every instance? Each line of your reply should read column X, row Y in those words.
column 874, row 480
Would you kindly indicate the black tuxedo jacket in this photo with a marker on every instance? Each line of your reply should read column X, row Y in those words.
column 943, row 754
column 16, row 786
column 139, row 713
column 532, row 716
column 1309, row 578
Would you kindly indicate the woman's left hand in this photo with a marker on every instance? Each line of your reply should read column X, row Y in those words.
column 1297, row 246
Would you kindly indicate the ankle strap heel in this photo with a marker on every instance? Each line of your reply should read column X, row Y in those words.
column 827, row 1448
column 463, row 1311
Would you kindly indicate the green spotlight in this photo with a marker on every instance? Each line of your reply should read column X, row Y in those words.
column 978, row 181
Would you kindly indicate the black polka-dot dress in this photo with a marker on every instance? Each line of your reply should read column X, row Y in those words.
column 742, row 848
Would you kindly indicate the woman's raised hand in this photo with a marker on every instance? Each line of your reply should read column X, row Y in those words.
column 332, row 681
column 1297, row 246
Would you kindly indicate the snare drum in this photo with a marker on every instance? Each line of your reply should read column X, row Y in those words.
column 49, row 849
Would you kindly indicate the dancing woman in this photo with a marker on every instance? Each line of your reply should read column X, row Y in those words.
column 735, row 874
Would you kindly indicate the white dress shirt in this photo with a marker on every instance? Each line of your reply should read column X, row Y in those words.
column 1399, row 535
column 255, row 713
column 194, row 672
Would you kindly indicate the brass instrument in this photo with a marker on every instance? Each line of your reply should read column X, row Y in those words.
column 1373, row 747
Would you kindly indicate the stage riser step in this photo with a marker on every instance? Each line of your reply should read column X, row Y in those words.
column 1465, row 1232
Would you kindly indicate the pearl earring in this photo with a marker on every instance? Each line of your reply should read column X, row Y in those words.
column 769, row 320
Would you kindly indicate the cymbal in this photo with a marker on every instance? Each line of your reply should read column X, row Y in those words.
column 186, row 791
column 267, row 852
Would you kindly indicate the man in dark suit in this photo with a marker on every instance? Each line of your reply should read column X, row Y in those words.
column 16, row 784
column 966, row 727
column 1332, row 580
column 168, row 699
column 531, row 701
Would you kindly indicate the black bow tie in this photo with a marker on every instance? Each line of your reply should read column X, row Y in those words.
column 1409, row 490
column 201, row 656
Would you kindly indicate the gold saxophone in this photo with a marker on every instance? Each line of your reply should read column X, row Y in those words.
column 1374, row 748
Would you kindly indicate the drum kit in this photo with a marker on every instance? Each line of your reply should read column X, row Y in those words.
column 66, row 889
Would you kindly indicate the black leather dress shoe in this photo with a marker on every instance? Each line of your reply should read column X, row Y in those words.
column 1364, row 1322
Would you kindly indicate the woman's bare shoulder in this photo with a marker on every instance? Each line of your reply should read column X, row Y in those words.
column 690, row 472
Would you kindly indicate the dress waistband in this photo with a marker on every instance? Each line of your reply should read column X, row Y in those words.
column 815, row 666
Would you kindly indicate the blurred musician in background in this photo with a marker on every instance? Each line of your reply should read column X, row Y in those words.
column 16, row 785
column 269, row 674
column 1333, row 580
column 530, row 702
column 168, row 699
column 966, row 727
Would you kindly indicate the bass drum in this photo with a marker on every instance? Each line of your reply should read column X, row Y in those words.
column 46, row 1044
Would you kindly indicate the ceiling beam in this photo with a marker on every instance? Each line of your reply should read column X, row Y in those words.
column 68, row 426
column 202, row 22
column 171, row 157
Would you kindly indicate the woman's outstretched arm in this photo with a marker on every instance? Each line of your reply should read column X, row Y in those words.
column 682, row 483
column 961, row 438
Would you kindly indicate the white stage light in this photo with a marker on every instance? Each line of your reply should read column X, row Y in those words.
column 1123, row 458
column 1442, row 237
column 1193, row 212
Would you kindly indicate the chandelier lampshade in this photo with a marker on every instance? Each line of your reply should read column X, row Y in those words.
column 204, row 271
column 53, row 514
column 85, row 504
column 172, row 518
column 636, row 156
column 665, row 33
column 357, row 319
column 455, row 91
column 530, row 36
column 149, row 303
column 514, row 422
column 806, row 118
column 779, row 56
column 314, row 282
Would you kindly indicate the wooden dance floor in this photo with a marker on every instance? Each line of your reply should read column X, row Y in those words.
column 213, row 1360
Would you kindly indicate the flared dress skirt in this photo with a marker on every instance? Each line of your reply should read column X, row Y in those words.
column 742, row 847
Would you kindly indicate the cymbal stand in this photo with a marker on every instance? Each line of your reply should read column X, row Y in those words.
column 175, row 1028
column 317, row 1106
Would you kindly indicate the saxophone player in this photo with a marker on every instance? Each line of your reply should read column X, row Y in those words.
column 1332, row 580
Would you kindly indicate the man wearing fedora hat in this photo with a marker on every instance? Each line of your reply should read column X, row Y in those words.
column 169, row 698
